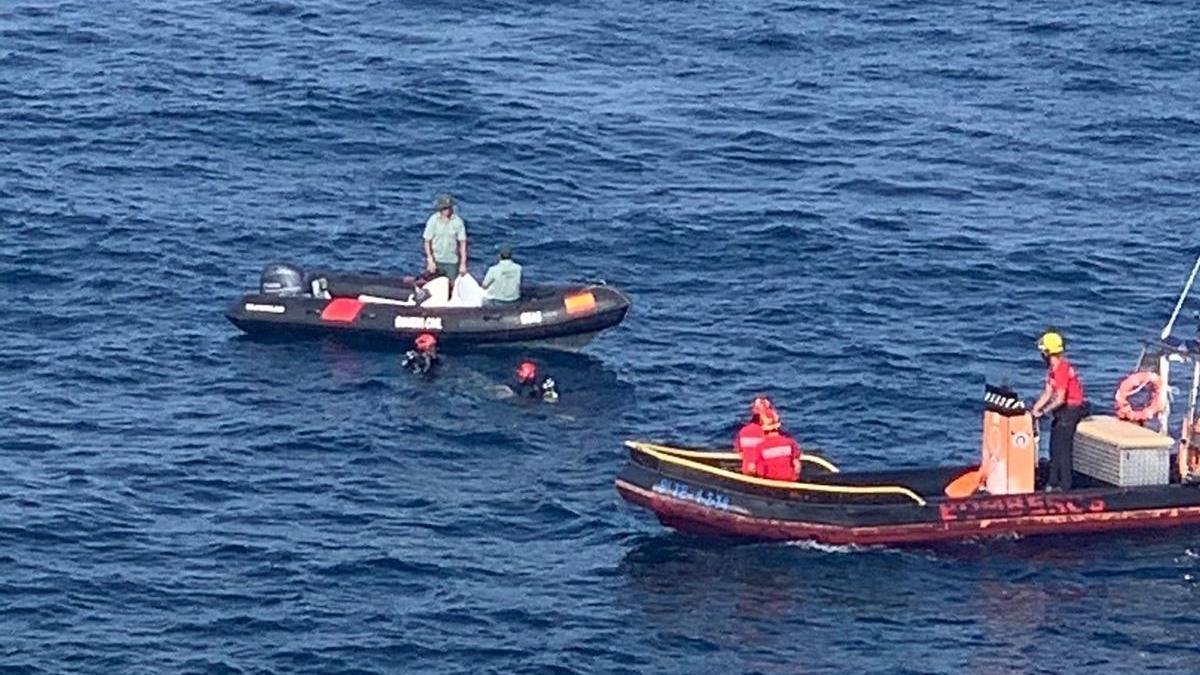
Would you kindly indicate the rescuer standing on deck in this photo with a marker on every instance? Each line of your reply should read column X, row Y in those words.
column 445, row 241
column 1062, row 396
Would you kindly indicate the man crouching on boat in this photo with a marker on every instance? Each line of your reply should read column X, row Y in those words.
column 766, row 451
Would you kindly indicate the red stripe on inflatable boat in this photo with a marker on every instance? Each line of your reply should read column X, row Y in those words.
column 344, row 310
column 698, row 519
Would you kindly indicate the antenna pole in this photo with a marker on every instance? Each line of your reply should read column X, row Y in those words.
column 1182, row 296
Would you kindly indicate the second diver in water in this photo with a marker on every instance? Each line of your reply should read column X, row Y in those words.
column 423, row 358
column 531, row 385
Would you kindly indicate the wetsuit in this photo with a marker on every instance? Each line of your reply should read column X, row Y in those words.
column 419, row 362
column 538, row 388
column 1062, row 377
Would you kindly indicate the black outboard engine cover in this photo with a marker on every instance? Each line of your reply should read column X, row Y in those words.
column 281, row 279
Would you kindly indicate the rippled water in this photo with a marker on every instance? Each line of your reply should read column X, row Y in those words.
column 865, row 210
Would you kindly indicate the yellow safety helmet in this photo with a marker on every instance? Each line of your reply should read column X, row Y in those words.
column 1050, row 344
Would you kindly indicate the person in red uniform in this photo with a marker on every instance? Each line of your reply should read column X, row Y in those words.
column 766, row 451
column 1062, row 396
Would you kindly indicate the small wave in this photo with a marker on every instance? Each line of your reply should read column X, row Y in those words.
column 841, row 549
column 383, row 564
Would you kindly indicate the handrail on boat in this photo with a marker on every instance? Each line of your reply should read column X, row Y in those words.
column 666, row 454
column 729, row 455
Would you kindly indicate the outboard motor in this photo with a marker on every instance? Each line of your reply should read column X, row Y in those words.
column 281, row 279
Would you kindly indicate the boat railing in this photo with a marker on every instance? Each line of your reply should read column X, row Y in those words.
column 687, row 459
column 730, row 456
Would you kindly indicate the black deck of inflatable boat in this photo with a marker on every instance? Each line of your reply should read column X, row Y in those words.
column 368, row 308
column 691, row 493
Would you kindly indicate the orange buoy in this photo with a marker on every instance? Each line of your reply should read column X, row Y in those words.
column 1132, row 385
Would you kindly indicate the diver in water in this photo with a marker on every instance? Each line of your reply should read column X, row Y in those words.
column 424, row 357
column 530, row 385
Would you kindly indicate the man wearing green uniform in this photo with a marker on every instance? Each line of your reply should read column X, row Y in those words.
column 502, row 283
column 445, row 241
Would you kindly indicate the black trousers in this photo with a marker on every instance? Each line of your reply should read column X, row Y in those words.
column 1062, row 444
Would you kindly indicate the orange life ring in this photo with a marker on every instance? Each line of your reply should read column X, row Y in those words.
column 1132, row 385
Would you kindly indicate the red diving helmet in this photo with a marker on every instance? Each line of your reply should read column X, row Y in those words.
column 526, row 372
column 425, row 342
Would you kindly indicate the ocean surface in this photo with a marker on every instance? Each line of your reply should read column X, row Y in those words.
column 864, row 209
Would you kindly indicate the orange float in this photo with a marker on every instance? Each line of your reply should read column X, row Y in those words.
column 1133, row 384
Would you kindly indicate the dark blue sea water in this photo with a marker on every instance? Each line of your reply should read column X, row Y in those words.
column 864, row 209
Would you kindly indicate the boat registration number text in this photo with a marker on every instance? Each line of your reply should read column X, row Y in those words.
column 418, row 323
column 683, row 491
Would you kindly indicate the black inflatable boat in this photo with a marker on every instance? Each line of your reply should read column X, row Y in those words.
column 703, row 493
column 1124, row 478
column 387, row 309
column 1132, row 470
